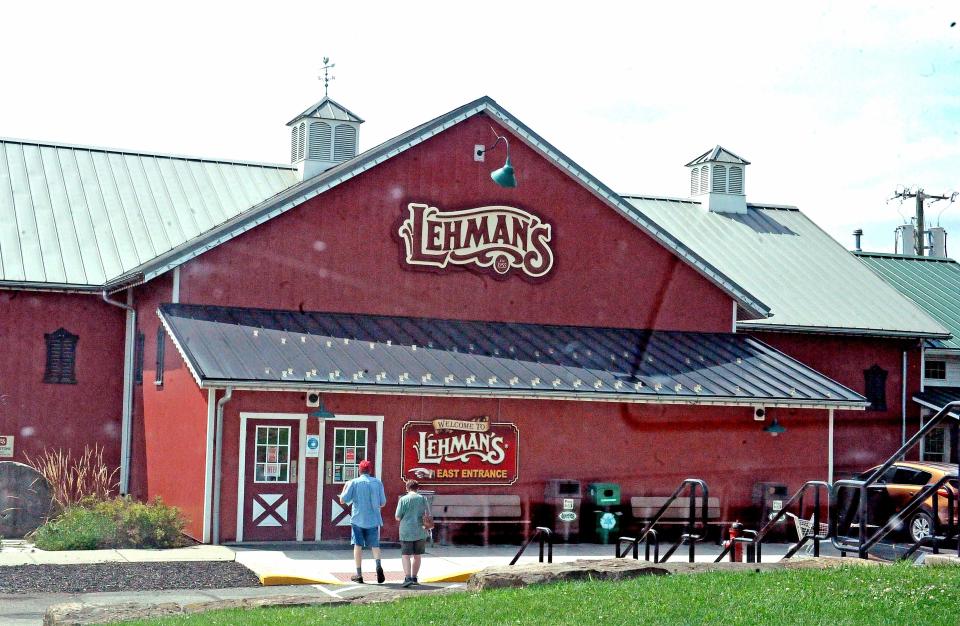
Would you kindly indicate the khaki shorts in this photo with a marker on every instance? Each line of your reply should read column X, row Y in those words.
column 413, row 547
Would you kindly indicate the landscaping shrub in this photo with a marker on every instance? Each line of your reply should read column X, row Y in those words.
column 116, row 523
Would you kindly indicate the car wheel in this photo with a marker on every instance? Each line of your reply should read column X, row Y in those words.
column 920, row 526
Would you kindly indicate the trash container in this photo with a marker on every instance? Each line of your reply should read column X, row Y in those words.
column 563, row 497
column 769, row 499
column 606, row 499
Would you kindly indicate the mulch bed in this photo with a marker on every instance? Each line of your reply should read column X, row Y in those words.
column 125, row 577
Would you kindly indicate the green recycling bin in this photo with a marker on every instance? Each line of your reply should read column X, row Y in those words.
column 607, row 525
column 605, row 494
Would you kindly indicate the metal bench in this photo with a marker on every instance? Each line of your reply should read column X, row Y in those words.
column 484, row 509
column 678, row 513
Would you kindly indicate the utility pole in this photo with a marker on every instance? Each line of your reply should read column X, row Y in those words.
column 919, row 237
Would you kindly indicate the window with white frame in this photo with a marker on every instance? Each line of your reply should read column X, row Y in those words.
column 935, row 370
column 349, row 448
column 272, row 454
column 935, row 446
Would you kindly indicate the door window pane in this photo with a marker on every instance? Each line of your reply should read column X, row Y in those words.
column 349, row 448
column 272, row 456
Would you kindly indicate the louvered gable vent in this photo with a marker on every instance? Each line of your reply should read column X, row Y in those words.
column 61, row 357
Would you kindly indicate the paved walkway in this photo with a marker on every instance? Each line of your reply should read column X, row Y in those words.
column 323, row 573
column 440, row 564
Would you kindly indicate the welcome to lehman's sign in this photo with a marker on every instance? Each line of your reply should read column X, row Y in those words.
column 500, row 239
column 449, row 451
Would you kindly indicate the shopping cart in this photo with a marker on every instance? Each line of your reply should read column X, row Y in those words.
column 805, row 529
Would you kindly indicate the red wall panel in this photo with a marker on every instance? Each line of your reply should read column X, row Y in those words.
column 170, row 426
column 649, row 449
column 60, row 416
column 339, row 251
column 863, row 438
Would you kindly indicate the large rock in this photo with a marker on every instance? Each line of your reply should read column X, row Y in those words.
column 597, row 569
column 25, row 499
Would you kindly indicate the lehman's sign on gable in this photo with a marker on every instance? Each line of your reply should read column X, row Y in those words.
column 498, row 239
column 461, row 452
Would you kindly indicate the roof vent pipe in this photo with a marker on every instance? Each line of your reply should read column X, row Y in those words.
column 857, row 234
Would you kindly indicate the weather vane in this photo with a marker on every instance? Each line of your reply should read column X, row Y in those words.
column 327, row 66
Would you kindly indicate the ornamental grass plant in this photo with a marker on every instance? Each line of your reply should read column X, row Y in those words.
column 76, row 479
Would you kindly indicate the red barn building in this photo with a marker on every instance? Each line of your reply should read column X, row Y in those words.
column 400, row 306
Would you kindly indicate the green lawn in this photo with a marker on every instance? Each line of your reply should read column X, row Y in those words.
column 899, row 594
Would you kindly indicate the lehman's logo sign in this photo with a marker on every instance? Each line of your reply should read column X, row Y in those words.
column 500, row 239
column 460, row 452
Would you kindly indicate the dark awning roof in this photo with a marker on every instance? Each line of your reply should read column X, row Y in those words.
column 936, row 397
column 268, row 349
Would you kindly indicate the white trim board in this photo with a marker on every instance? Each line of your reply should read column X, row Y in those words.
column 242, row 468
column 321, row 458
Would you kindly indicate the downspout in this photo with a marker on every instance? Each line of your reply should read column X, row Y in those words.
column 903, row 401
column 127, row 415
column 208, row 465
column 830, row 448
column 218, row 465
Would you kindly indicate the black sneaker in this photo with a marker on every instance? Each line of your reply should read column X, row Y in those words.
column 407, row 581
column 413, row 580
column 357, row 579
column 380, row 575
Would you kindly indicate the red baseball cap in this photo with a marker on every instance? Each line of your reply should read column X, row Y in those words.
column 364, row 466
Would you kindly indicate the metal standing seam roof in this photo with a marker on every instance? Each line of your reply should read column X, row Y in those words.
column 75, row 217
column 807, row 278
column 289, row 350
column 936, row 397
column 312, row 187
column 933, row 284
column 329, row 109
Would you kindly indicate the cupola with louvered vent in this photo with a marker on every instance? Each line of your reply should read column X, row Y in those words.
column 323, row 136
column 716, row 180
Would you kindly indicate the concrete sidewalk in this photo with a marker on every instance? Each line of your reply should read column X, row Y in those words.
column 440, row 564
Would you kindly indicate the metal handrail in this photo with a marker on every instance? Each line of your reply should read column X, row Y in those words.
column 751, row 542
column 543, row 533
column 798, row 498
column 689, row 537
column 635, row 544
column 861, row 546
column 935, row 522
column 914, row 503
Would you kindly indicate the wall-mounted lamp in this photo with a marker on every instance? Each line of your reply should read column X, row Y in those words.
column 314, row 400
column 774, row 428
column 503, row 176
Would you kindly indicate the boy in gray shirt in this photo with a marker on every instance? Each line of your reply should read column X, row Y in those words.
column 413, row 536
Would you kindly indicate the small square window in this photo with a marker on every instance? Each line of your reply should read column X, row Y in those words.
column 935, row 370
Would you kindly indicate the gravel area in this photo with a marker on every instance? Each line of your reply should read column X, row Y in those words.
column 125, row 577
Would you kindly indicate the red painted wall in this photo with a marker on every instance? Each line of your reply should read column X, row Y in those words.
column 59, row 416
column 648, row 449
column 338, row 251
column 863, row 438
column 170, row 432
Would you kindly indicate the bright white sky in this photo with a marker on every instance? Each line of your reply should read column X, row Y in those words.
column 834, row 103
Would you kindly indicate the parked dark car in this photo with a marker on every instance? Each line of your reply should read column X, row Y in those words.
column 894, row 490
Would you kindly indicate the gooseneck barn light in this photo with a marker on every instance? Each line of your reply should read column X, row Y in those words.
column 775, row 428
column 322, row 412
column 503, row 176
